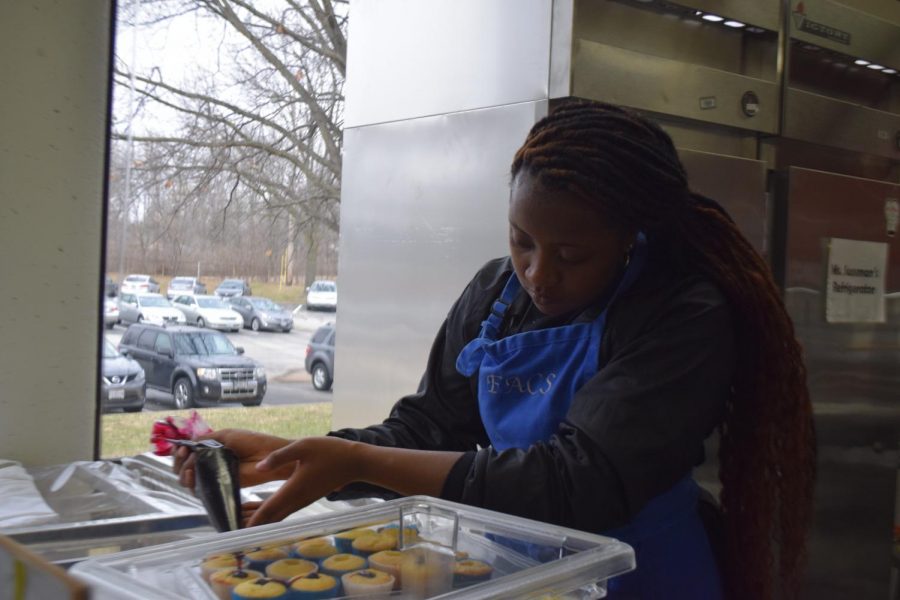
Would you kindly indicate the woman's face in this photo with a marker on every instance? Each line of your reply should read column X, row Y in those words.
column 564, row 252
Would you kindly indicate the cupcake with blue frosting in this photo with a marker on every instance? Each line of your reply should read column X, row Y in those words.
column 288, row 568
column 314, row 586
column 262, row 587
column 469, row 571
column 370, row 544
column 224, row 580
column 368, row 583
column 344, row 539
column 316, row 549
column 340, row 564
column 260, row 558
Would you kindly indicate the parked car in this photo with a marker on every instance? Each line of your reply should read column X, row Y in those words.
column 321, row 295
column 110, row 312
column 233, row 287
column 261, row 313
column 320, row 357
column 139, row 284
column 209, row 311
column 197, row 366
column 110, row 288
column 123, row 384
column 153, row 308
column 180, row 286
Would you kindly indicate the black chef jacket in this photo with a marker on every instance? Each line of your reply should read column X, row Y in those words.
column 632, row 431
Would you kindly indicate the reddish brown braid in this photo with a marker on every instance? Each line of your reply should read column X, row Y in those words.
column 629, row 168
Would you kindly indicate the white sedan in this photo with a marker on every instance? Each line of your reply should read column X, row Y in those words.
column 152, row 308
column 209, row 311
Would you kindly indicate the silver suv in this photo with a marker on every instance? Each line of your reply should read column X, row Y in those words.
column 320, row 357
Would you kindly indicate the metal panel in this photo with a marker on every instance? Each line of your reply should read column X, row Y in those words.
column 759, row 13
column 561, row 48
column 738, row 184
column 853, row 379
column 645, row 82
column 837, row 27
column 424, row 204
column 889, row 11
column 691, row 135
column 409, row 58
column 814, row 118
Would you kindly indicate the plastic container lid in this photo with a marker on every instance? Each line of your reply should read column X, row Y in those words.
column 528, row 559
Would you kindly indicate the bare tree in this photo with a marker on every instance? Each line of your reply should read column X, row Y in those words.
column 264, row 129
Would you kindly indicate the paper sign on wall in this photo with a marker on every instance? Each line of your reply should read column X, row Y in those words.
column 855, row 283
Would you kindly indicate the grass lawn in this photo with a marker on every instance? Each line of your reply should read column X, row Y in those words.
column 127, row 434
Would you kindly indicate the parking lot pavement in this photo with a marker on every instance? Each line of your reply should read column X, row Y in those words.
column 277, row 394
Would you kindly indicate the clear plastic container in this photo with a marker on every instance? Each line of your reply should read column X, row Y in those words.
column 513, row 557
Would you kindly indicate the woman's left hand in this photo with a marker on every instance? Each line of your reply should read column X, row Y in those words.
column 321, row 466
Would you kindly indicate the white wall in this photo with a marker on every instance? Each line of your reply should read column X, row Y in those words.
column 53, row 105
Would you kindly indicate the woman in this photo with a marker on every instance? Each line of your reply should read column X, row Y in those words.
column 575, row 381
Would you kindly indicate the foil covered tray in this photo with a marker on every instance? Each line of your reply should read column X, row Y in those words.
column 104, row 507
column 109, row 506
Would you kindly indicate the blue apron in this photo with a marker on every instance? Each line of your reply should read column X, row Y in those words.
column 526, row 383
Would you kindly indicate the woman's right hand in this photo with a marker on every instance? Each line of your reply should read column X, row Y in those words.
column 250, row 448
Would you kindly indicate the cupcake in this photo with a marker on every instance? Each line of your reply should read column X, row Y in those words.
column 425, row 572
column 339, row 564
column 410, row 534
column 217, row 562
column 370, row 544
column 260, row 588
column 344, row 539
column 314, row 586
column 260, row 558
column 388, row 561
column 470, row 571
column 223, row 580
column 288, row 568
column 316, row 549
column 368, row 583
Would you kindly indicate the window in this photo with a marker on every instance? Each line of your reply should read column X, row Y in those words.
column 211, row 303
column 154, row 301
column 204, row 344
column 182, row 212
column 163, row 344
column 320, row 335
column 130, row 337
column 262, row 304
column 147, row 340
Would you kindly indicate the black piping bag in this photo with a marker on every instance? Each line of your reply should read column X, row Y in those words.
column 216, row 482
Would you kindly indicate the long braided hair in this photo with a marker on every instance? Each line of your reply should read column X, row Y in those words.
column 629, row 168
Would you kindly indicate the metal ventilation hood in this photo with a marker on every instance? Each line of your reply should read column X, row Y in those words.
column 673, row 59
column 843, row 85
